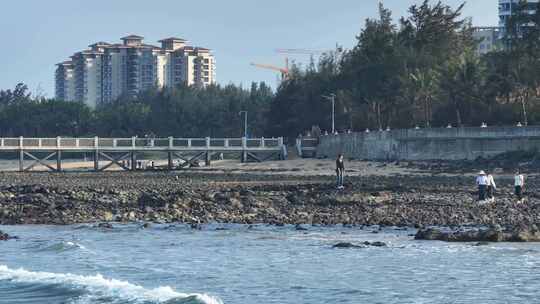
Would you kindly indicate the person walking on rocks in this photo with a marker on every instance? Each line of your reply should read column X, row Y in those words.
column 481, row 182
column 491, row 187
column 340, row 170
column 519, row 183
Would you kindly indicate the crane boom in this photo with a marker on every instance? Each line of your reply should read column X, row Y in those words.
column 283, row 71
column 301, row 51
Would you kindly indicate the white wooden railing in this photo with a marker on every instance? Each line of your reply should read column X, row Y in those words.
column 137, row 143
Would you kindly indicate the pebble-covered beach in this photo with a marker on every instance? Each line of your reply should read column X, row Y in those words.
column 197, row 197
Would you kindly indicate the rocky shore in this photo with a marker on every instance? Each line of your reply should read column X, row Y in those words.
column 495, row 233
column 192, row 197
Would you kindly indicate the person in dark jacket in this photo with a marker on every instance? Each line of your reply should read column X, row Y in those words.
column 340, row 170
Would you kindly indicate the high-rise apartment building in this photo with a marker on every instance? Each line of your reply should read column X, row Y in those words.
column 65, row 81
column 491, row 38
column 507, row 7
column 487, row 38
column 106, row 71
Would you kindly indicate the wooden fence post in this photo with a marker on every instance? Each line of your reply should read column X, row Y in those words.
column 58, row 154
column 21, row 154
column 96, row 153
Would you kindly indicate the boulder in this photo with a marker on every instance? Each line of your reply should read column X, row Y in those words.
column 5, row 236
column 346, row 245
column 492, row 234
column 299, row 227
column 235, row 203
column 152, row 200
column 107, row 216
column 375, row 244
column 105, row 225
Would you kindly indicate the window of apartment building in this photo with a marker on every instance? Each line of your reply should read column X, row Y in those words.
column 206, row 79
column 206, row 60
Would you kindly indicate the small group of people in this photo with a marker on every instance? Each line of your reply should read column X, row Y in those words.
column 486, row 186
column 485, row 182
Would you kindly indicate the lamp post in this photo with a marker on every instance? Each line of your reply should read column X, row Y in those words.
column 332, row 98
column 245, row 122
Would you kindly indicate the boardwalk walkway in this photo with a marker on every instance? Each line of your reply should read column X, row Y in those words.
column 123, row 151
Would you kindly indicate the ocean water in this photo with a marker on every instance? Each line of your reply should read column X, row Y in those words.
column 257, row 264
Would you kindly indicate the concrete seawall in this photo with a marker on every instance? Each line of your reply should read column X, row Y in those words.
column 431, row 144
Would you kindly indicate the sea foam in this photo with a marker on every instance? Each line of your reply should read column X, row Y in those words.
column 98, row 286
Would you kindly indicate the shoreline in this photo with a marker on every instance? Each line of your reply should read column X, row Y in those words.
column 384, row 196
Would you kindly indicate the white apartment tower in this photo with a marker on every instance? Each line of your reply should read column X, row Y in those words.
column 107, row 71
column 487, row 38
column 491, row 38
column 507, row 7
column 65, row 81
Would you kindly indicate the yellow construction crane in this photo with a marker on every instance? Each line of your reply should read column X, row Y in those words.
column 284, row 71
column 288, row 52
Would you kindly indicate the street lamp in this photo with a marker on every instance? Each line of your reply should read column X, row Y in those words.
column 245, row 121
column 332, row 98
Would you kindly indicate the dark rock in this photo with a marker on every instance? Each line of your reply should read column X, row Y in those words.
column 299, row 227
column 429, row 234
column 293, row 198
column 520, row 234
column 347, row 245
column 481, row 244
column 196, row 226
column 105, row 225
column 152, row 200
column 375, row 244
column 5, row 236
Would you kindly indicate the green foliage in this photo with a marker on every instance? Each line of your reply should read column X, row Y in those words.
column 421, row 71
column 179, row 112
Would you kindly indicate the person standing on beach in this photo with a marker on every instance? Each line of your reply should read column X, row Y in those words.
column 519, row 183
column 340, row 170
column 491, row 187
column 481, row 182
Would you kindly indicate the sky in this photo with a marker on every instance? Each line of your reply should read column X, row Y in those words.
column 37, row 34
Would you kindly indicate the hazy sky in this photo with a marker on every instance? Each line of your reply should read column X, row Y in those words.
column 37, row 34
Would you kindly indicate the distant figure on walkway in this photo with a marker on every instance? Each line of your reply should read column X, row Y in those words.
column 519, row 183
column 340, row 170
column 481, row 182
column 491, row 187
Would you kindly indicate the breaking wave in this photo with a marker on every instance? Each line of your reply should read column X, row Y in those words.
column 45, row 287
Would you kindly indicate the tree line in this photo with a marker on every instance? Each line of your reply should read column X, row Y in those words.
column 212, row 111
column 421, row 70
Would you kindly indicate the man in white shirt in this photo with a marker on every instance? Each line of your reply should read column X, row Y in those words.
column 519, row 183
column 491, row 187
column 481, row 182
